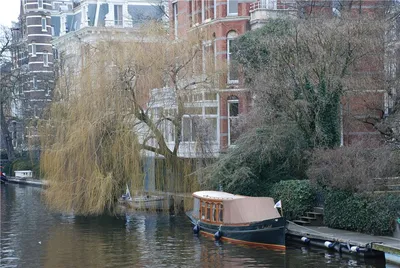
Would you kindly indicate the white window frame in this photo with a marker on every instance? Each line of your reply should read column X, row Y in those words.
column 46, row 59
column 33, row 49
column 40, row 4
column 175, row 18
column 203, row 10
column 229, row 13
column 230, row 117
column 231, row 36
column 119, row 18
column 34, row 82
column 44, row 24
column 215, row 9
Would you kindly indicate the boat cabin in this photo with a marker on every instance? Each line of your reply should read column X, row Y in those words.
column 224, row 208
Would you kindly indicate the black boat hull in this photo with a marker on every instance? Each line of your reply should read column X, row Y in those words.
column 268, row 233
column 3, row 179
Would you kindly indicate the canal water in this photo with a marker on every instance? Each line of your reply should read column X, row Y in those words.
column 31, row 236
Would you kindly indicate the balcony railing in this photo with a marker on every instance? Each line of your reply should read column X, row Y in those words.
column 273, row 5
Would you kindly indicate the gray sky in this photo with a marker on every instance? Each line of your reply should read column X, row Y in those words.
column 9, row 11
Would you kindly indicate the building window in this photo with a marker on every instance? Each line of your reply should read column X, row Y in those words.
column 34, row 82
column 118, row 16
column 233, row 72
column 46, row 60
column 207, row 10
column 208, row 57
column 44, row 24
column 221, row 212
column 175, row 18
column 215, row 9
column 190, row 12
column 40, row 4
column 33, row 50
column 233, row 7
column 233, row 113
column 35, row 110
column 55, row 53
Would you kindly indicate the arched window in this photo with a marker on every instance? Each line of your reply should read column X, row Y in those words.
column 233, row 113
column 233, row 74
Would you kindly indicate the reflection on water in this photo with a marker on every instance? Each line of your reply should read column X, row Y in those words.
column 31, row 236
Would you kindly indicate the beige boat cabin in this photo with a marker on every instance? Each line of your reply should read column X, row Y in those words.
column 224, row 208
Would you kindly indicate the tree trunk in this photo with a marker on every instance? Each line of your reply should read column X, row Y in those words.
column 6, row 135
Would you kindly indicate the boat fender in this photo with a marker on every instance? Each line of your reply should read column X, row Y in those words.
column 354, row 249
column 329, row 244
column 363, row 250
column 305, row 239
column 196, row 229
column 218, row 235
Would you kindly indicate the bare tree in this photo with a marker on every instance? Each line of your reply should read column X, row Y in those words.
column 8, row 85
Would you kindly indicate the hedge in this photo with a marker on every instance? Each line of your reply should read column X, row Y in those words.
column 365, row 213
column 298, row 197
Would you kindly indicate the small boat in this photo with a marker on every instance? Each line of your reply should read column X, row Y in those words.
column 142, row 202
column 238, row 219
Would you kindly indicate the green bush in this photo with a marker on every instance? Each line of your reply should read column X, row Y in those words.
column 365, row 213
column 297, row 197
column 261, row 157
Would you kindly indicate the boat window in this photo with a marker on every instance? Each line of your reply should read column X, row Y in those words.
column 208, row 211
column 214, row 213
column 196, row 208
column 203, row 210
column 221, row 212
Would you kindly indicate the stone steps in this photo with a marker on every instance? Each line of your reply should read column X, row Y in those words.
column 312, row 218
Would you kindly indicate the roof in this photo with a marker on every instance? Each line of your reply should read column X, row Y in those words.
column 215, row 195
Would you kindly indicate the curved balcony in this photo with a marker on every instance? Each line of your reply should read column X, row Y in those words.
column 262, row 10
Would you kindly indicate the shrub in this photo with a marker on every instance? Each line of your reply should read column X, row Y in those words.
column 353, row 168
column 365, row 213
column 260, row 158
column 297, row 197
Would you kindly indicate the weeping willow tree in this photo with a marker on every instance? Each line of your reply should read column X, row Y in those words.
column 125, row 100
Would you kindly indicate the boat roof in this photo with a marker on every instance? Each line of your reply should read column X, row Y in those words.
column 217, row 195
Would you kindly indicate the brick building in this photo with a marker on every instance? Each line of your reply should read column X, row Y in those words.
column 225, row 20
column 33, row 54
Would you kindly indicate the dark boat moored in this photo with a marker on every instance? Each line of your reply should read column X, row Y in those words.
column 3, row 177
column 238, row 219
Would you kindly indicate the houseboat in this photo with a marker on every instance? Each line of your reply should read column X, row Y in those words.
column 241, row 219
